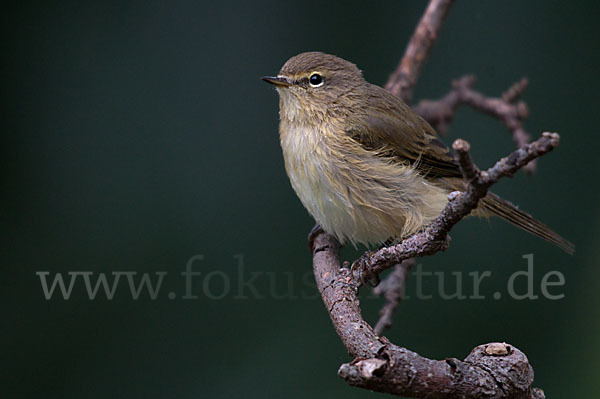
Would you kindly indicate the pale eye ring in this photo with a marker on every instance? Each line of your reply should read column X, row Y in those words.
column 316, row 80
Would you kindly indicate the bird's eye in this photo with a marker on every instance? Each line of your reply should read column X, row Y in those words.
column 315, row 80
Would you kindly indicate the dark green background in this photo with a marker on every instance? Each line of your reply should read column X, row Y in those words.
column 136, row 135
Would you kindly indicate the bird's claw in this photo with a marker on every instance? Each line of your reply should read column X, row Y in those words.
column 314, row 232
column 361, row 265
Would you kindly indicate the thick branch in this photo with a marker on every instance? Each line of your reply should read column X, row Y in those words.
column 402, row 81
column 495, row 370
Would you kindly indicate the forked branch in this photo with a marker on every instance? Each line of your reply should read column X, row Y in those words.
column 507, row 109
column 495, row 370
column 435, row 237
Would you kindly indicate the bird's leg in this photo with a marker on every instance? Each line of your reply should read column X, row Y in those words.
column 389, row 242
column 314, row 232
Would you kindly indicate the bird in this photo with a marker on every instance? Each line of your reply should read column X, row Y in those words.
column 367, row 167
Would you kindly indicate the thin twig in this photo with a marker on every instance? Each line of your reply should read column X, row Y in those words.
column 392, row 289
column 435, row 237
column 402, row 81
column 506, row 109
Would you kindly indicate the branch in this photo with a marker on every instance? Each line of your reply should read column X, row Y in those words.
column 402, row 81
column 506, row 108
column 491, row 371
column 392, row 289
column 495, row 370
column 441, row 112
column 435, row 237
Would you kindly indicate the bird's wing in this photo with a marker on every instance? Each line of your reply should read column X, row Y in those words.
column 392, row 129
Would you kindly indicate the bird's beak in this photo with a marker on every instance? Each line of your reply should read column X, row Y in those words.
column 277, row 81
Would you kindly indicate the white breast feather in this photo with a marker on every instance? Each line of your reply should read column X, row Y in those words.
column 351, row 192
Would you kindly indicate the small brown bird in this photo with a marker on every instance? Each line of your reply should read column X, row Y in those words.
column 363, row 163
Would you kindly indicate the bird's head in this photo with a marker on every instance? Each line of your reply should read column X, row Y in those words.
column 311, row 83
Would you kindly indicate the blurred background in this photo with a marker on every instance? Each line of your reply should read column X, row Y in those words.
column 138, row 135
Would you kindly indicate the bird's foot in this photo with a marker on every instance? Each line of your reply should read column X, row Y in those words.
column 359, row 268
column 314, row 232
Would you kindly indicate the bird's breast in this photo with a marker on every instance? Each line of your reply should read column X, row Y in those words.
column 351, row 192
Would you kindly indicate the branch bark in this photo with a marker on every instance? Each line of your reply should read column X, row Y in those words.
column 495, row 370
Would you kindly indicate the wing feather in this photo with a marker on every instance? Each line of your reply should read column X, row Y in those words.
column 392, row 129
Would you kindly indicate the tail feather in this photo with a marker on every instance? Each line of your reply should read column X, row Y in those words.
column 512, row 214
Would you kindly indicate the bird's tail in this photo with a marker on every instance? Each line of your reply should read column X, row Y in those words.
column 509, row 212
